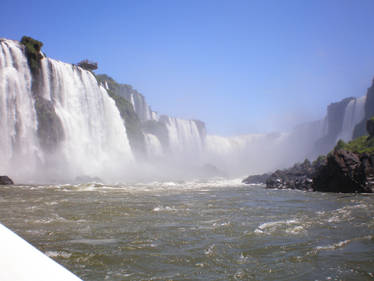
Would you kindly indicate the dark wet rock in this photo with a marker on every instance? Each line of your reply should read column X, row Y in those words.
column 297, row 177
column 345, row 172
column 256, row 179
column 88, row 65
column 50, row 129
column 335, row 118
column 359, row 129
column 33, row 53
column 5, row 180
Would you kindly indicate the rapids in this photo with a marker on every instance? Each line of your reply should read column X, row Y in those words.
column 197, row 230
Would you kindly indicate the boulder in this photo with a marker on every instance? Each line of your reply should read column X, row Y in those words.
column 297, row 177
column 256, row 179
column 5, row 180
column 345, row 172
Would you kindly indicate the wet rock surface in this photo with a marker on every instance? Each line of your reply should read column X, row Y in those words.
column 5, row 180
column 345, row 172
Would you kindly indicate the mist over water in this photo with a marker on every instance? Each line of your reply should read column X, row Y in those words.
column 93, row 142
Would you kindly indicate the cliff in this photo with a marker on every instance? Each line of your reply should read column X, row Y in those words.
column 348, row 168
column 333, row 125
column 359, row 129
column 128, row 114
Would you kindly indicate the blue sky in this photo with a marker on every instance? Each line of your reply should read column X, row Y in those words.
column 240, row 66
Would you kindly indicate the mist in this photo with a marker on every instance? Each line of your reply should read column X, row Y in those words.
column 67, row 125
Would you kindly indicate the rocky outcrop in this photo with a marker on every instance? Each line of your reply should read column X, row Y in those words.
column 128, row 114
column 359, row 130
column 346, row 172
column 256, row 179
column 5, row 180
column 370, row 127
column 297, row 177
column 335, row 117
column 88, row 65
column 33, row 53
column 50, row 130
column 341, row 171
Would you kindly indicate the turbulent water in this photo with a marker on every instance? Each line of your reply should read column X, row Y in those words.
column 212, row 230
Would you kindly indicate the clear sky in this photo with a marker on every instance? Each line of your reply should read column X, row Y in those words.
column 240, row 66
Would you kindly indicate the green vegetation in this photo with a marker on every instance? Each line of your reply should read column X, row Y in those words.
column 32, row 51
column 362, row 144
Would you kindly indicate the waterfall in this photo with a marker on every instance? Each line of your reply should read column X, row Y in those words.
column 256, row 153
column 153, row 146
column 354, row 113
column 184, row 136
column 142, row 109
column 18, row 122
column 139, row 104
column 95, row 141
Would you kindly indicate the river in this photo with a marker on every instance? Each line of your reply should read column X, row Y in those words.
column 197, row 230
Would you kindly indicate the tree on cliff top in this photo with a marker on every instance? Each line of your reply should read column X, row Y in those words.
column 32, row 50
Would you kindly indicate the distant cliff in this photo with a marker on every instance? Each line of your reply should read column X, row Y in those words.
column 359, row 129
column 148, row 132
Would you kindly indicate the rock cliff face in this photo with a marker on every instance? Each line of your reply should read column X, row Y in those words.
column 50, row 131
column 345, row 172
column 131, row 118
column 147, row 131
column 5, row 180
column 333, row 125
column 359, row 130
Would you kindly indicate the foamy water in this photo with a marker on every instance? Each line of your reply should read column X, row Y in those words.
column 195, row 230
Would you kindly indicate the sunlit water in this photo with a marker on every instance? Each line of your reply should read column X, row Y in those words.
column 195, row 231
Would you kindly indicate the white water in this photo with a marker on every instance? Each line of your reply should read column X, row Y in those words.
column 184, row 136
column 354, row 113
column 18, row 123
column 239, row 155
column 142, row 108
column 95, row 142
column 153, row 146
column 138, row 102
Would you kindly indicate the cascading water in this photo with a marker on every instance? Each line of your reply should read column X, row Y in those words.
column 95, row 141
column 354, row 113
column 184, row 136
column 18, row 121
column 139, row 104
column 153, row 145
column 257, row 153
column 95, row 136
